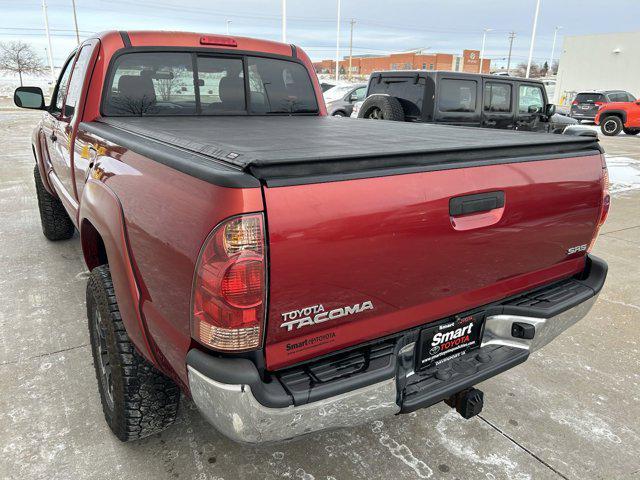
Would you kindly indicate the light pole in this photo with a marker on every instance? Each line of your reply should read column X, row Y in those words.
column 351, row 48
column 75, row 20
column 512, row 35
column 46, row 29
column 284, row 21
column 553, row 47
column 533, row 37
column 484, row 38
column 228, row 23
column 338, row 45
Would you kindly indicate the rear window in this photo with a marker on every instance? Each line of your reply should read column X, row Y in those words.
column 409, row 93
column 457, row 96
column 590, row 98
column 279, row 86
column 183, row 83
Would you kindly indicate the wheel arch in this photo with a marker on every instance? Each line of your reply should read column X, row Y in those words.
column 93, row 248
column 614, row 113
column 103, row 238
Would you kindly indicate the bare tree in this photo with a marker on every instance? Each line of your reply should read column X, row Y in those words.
column 535, row 72
column 169, row 82
column 19, row 57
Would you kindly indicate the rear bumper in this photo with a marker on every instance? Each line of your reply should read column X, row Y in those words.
column 233, row 398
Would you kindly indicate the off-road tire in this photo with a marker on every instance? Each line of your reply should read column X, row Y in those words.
column 611, row 125
column 382, row 107
column 56, row 224
column 141, row 401
column 631, row 131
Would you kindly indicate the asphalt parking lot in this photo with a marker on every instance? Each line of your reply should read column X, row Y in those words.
column 571, row 412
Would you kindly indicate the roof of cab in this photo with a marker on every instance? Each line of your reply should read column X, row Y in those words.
column 151, row 38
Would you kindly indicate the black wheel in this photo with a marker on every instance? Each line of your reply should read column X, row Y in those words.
column 611, row 126
column 137, row 399
column 339, row 113
column 631, row 131
column 382, row 107
column 56, row 224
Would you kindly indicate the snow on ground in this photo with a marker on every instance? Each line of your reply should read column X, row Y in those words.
column 624, row 174
column 9, row 83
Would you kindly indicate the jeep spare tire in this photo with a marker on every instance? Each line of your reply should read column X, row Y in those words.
column 382, row 107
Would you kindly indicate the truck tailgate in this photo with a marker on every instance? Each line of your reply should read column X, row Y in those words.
column 359, row 259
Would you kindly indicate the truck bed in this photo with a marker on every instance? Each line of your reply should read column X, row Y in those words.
column 281, row 150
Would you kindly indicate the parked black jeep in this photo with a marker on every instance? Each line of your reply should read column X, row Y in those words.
column 466, row 99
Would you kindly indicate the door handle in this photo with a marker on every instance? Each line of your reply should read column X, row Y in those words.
column 476, row 203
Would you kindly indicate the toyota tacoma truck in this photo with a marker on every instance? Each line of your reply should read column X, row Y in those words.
column 241, row 252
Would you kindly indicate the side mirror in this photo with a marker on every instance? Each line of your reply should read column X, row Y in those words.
column 29, row 97
column 550, row 110
column 353, row 97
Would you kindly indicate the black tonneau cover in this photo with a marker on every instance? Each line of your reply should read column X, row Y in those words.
column 278, row 148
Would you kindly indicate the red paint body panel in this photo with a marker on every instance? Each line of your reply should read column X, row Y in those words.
column 391, row 240
column 168, row 216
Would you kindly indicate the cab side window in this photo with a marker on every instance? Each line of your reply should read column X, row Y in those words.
column 530, row 99
column 497, row 97
column 360, row 93
column 61, row 88
column 457, row 95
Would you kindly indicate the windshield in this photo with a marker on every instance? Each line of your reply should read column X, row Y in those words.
column 184, row 83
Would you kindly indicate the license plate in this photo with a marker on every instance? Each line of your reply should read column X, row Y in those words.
column 585, row 107
column 449, row 339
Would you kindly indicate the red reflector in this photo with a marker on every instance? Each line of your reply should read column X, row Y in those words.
column 215, row 40
column 242, row 284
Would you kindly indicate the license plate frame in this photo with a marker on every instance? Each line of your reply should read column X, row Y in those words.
column 453, row 341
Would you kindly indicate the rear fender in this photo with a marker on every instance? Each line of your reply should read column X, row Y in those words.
column 101, row 207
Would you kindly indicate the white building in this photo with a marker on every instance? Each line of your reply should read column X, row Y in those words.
column 599, row 62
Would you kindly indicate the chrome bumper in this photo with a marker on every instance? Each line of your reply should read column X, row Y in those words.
column 497, row 329
column 234, row 411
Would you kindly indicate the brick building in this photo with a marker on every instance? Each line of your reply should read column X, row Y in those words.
column 469, row 62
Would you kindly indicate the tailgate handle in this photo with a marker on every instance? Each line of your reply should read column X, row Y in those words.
column 479, row 202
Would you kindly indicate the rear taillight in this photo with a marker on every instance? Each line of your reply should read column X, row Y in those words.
column 229, row 290
column 598, row 104
column 605, row 203
column 575, row 102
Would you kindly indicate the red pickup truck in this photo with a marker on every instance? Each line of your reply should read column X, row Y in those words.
column 291, row 271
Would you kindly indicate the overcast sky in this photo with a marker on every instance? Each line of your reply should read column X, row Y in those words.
column 382, row 26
